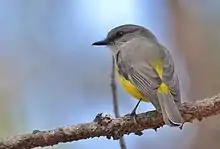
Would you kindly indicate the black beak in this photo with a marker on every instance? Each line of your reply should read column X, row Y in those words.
column 101, row 43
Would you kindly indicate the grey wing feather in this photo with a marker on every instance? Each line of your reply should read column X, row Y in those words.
column 170, row 78
column 146, row 84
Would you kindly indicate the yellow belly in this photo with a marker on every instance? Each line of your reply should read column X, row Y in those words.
column 130, row 88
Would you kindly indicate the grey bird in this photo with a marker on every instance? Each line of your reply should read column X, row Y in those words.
column 145, row 69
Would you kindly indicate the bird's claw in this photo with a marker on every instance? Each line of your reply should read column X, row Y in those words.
column 133, row 115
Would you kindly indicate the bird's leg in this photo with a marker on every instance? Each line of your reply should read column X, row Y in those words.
column 133, row 113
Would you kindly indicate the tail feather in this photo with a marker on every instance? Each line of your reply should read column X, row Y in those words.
column 169, row 109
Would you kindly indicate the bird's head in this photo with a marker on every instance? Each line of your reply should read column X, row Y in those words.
column 122, row 34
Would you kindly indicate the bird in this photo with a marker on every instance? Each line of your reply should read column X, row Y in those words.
column 145, row 69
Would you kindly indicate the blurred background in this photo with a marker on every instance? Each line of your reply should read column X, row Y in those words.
column 51, row 76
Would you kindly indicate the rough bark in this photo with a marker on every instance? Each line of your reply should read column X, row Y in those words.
column 109, row 127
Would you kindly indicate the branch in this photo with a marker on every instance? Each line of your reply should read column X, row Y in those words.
column 115, row 101
column 114, row 89
column 108, row 127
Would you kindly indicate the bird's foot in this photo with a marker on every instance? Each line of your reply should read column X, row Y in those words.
column 132, row 115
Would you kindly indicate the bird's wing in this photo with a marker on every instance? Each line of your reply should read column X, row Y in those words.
column 169, row 76
column 140, row 73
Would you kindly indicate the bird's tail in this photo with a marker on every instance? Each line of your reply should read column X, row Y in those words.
column 169, row 109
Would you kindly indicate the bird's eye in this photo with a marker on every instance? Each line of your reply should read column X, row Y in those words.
column 120, row 33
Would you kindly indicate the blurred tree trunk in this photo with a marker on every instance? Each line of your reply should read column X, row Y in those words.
column 10, row 99
column 194, row 40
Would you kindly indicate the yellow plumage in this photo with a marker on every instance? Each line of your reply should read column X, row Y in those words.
column 133, row 91
column 130, row 88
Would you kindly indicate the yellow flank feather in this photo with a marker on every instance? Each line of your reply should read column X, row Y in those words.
column 133, row 91
column 159, row 68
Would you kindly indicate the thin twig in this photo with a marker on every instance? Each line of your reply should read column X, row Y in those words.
column 115, row 100
column 110, row 128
